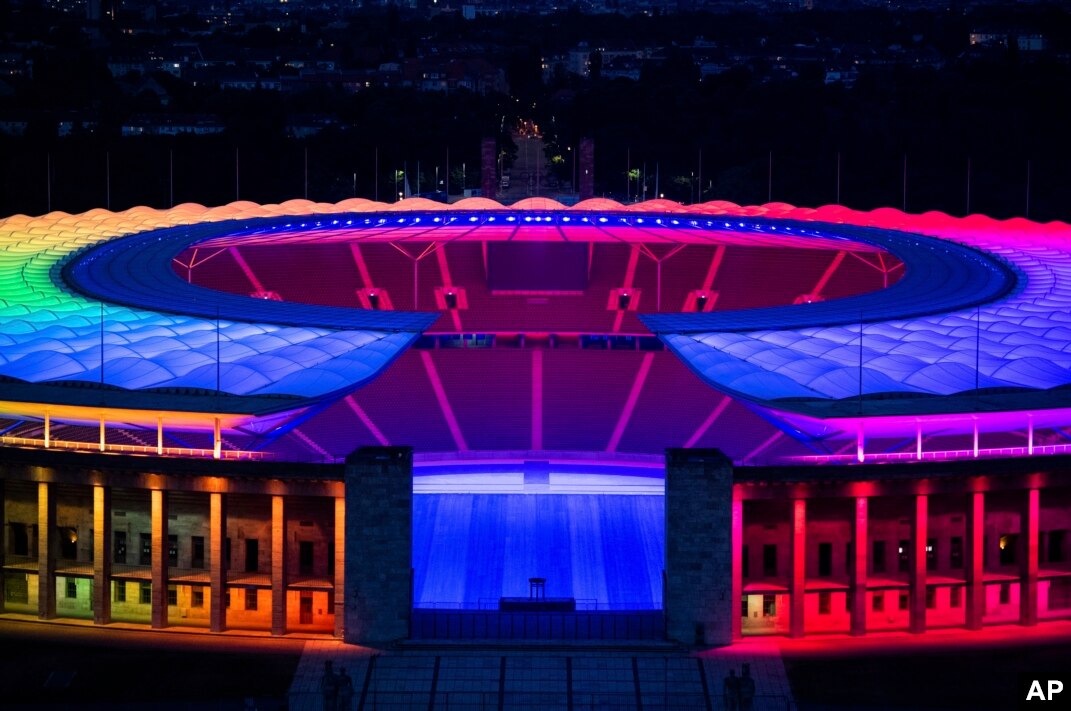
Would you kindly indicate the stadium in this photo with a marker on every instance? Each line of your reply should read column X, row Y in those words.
column 605, row 421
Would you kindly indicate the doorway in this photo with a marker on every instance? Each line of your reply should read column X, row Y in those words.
column 305, row 609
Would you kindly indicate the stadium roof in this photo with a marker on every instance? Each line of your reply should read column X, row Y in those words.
column 981, row 321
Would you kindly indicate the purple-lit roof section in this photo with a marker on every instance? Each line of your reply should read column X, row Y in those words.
column 995, row 356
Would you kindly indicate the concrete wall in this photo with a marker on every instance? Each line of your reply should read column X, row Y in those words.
column 78, row 606
column 20, row 508
column 240, row 615
column 130, row 608
column 698, row 595
column 310, row 521
column 323, row 614
column 20, row 587
column 74, row 510
column 248, row 519
column 379, row 546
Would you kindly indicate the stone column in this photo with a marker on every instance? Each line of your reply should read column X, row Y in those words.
column 698, row 596
column 857, row 586
column 46, row 558
column 102, row 561
column 975, row 560
column 159, row 558
column 586, row 178
column 917, row 565
column 378, row 564
column 217, row 564
column 1028, row 559
column 797, row 585
column 738, row 565
column 278, row 565
column 3, row 545
column 488, row 168
column 339, row 592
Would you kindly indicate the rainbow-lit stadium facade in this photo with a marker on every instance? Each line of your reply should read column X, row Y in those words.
column 891, row 388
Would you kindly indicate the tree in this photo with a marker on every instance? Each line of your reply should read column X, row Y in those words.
column 595, row 65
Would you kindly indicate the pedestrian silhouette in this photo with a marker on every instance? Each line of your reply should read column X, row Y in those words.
column 329, row 687
column 345, row 691
column 731, row 691
column 747, row 689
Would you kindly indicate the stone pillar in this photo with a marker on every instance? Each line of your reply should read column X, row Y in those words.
column 738, row 565
column 857, row 586
column 917, row 565
column 339, row 592
column 1028, row 559
column 488, row 168
column 46, row 558
column 159, row 558
column 975, row 560
column 3, row 545
column 278, row 565
column 586, row 177
column 102, row 561
column 217, row 564
column 378, row 566
column 797, row 584
column 698, row 595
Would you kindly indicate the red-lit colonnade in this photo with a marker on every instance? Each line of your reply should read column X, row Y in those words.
column 261, row 546
column 899, row 552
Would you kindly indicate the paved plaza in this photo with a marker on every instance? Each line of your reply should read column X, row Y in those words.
column 573, row 678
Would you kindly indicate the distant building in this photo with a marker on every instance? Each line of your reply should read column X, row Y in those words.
column 13, row 125
column 74, row 124
column 846, row 76
column 120, row 66
column 306, row 125
column 1021, row 40
column 166, row 125
column 1031, row 42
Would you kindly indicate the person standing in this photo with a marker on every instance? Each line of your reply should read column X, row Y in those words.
column 747, row 689
column 329, row 687
column 730, row 691
column 345, row 691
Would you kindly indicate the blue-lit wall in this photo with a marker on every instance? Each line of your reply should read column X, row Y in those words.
column 470, row 549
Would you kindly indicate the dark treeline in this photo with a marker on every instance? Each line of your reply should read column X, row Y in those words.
column 1002, row 112
column 253, row 159
column 1000, row 117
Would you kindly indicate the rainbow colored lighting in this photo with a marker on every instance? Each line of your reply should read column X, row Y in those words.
column 51, row 334
column 980, row 323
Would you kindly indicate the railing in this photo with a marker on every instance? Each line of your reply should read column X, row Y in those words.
column 393, row 700
column 938, row 455
column 583, row 604
column 637, row 625
column 134, row 449
column 518, row 339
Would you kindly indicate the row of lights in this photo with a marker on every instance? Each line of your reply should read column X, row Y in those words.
column 546, row 218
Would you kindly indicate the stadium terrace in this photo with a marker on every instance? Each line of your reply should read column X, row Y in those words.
column 472, row 421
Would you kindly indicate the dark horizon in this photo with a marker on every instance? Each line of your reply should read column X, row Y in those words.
column 919, row 109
